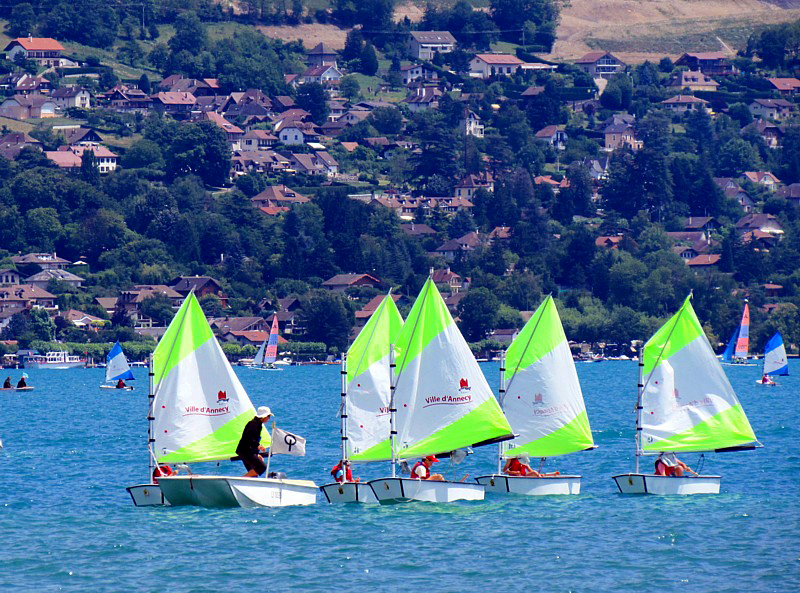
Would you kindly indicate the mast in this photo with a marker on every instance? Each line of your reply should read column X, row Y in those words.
column 502, row 445
column 639, row 408
column 392, row 410
column 151, row 397
column 343, row 373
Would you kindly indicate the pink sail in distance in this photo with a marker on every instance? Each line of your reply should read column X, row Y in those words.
column 743, row 342
column 271, row 354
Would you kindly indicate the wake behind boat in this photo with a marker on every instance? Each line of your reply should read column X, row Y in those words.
column 198, row 409
column 685, row 403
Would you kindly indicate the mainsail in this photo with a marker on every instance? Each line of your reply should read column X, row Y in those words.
column 271, row 353
column 743, row 340
column 200, row 407
column 775, row 361
column 369, row 385
column 442, row 399
column 727, row 356
column 543, row 400
column 117, row 365
column 688, row 403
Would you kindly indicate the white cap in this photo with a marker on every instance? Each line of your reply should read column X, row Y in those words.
column 263, row 412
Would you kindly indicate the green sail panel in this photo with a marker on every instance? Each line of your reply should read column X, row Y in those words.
column 543, row 400
column 199, row 402
column 688, row 403
column 442, row 399
column 369, row 385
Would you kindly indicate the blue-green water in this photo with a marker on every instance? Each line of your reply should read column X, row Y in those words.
column 67, row 523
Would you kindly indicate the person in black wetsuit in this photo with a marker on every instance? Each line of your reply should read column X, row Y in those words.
column 7, row 383
column 21, row 383
column 249, row 447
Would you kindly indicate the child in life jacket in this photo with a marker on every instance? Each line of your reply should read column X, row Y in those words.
column 342, row 472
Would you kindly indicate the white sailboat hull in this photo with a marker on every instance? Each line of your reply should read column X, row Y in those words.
column 667, row 485
column 394, row 490
column 147, row 495
column 231, row 492
column 549, row 485
column 127, row 388
column 348, row 492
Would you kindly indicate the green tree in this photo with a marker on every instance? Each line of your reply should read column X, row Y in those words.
column 369, row 60
column 735, row 157
column 327, row 318
column 200, row 149
column 144, row 84
column 349, row 87
column 478, row 313
column 190, row 34
column 143, row 154
column 41, row 325
column 158, row 308
column 90, row 170
column 42, row 228
column 23, row 21
column 387, row 120
column 211, row 305
column 313, row 98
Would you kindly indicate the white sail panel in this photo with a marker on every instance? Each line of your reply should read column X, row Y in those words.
column 367, row 407
column 117, row 365
column 544, row 405
column 775, row 361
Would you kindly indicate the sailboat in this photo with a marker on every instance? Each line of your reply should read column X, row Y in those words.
column 775, row 361
column 440, row 403
column 366, row 391
column 268, row 352
column 737, row 350
column 685, row 404
column 542, row 399
column 198, row 409
column 117, row 368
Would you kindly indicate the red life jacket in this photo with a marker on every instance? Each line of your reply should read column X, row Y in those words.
column 414, row 475
column 348, row 475
column 161, row 470
column 516, row 466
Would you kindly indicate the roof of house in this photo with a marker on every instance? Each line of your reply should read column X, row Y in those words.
column 757, row 220
column 785, row 84
column 74, row 316
column 684, row 100
column 170, row 98
column 188, row 283
column 773, row 103
column 547, row 131
column 349, row 146
column 24, row 292
column 98, row 150
column 608, row 241
column 790, row 191
column 321, row 49
column 760, row 176
column 705, row 55
column 36, row 44
column 697, row 222
column 235, row 323
column 532, row 91
column 47, row 275
column 144, row 291
column 107, row 302
column 703, row 259
column 686, row 78
column 444, row 276
column 223, row 123
column 280, row 193
column 594, row 56
column 414, row 229
column 432, row 36
column 66, row 159
column 349, row 279
column 499, row 59
column 38, row 258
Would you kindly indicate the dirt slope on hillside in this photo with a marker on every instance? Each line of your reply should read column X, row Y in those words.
column 643, row 29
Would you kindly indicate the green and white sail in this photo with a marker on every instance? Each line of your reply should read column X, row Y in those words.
column 200, row 407
column 442, row 399
column 369, row 385
column 688, row 402
column 543, row 399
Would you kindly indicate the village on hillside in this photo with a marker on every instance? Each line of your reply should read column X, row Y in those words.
column 368, row 168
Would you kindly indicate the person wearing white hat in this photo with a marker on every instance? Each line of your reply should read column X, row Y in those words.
column 249, row 448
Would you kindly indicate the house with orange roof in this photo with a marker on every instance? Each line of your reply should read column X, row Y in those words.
column 233, row 133
column 488, row 65
column 45, row 51
column 787, row 87
column 178, row 105
column 704, row 263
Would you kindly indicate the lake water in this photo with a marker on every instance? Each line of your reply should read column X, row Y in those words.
column 67, row 523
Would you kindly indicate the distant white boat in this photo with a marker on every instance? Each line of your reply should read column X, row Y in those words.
column 58, row 360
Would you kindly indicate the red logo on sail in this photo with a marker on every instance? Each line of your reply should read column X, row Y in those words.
column 463, row 385
column 537, row 399
column 222, row 396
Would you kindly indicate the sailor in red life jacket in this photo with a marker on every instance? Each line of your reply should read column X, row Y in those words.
column 342, row 472
column 521, row 468
column 163, row 470
column 422, row 470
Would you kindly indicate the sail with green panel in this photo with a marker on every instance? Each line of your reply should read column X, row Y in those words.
column 543, row 399
column 442, row 399
column 200, row 407
column 369, row 385
column 688, row 402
